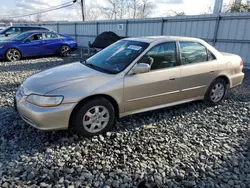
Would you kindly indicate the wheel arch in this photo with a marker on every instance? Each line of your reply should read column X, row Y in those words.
column 80, row 103
column 225, row 78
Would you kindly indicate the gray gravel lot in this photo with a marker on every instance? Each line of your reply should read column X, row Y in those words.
column 191, row 145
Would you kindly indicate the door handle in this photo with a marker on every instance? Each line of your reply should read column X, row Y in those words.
column 212, row 71
column 171, row 79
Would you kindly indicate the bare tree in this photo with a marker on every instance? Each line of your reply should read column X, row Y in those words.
column 38, row 17
column 119, row 9
column 145, row 8
column 110, row 10
column 208, row 11
column 179, row 13
column 135, row 6
column 92, row 13
column 174, row 13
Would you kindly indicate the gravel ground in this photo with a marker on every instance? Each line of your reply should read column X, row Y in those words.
column 191, row 145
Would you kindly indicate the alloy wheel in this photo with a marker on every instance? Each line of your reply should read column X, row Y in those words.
column 96, row 119
column 65, row 50
column 217, row 92
column 13, row 55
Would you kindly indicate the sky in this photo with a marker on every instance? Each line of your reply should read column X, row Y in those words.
column 163, row 8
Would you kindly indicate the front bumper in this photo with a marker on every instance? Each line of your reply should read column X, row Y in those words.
column 45, row 118
column 2, row 53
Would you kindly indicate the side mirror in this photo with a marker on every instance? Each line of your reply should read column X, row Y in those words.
column 140, row 68
column 27, row 40
column 7, row 34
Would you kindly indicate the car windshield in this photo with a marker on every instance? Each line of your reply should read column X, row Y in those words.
column 20, row 37
column 4, row 29
column 117, row 57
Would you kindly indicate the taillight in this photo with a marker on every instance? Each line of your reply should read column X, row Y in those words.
column 241, row 63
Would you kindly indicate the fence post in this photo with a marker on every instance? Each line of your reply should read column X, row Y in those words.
column 126, row 31
column 162, row 25
column 57, row 27
column 75, row 32
column 97, row 30
column 216, row 29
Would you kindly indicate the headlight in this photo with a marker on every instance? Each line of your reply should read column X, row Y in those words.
column 1, row 46
column 44, row 101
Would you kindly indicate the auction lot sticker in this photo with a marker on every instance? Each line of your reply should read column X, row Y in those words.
column 134, row 47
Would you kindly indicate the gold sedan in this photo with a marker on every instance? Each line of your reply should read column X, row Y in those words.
column 131, row 76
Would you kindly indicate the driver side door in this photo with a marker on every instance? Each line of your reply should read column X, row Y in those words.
column 158, row 87
column 32, row 45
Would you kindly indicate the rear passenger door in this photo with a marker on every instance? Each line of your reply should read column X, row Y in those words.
column 199, row 68
column 52, row 42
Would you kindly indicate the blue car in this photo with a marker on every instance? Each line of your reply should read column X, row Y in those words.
column 36, row 43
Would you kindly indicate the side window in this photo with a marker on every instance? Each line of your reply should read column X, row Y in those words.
column 13, row 30
column 51, row 36
column 36, row 37
column 161, row 56
column 192, row 52
column 26, row 29
column 210, row 56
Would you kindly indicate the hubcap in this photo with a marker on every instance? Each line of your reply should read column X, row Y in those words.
column 96, row 119
column 65, row 50
column 217, row 92
column 13, row 55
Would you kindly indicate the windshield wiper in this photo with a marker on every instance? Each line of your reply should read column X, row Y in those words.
column 83, row 61
column 97, row 67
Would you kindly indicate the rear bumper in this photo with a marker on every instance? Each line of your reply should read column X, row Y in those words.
column 236, row 79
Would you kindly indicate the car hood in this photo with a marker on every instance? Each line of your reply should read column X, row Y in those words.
column 58, row 77
column 3, row 38
column 4, row 41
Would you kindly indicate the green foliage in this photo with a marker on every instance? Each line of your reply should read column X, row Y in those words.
column 240, row 7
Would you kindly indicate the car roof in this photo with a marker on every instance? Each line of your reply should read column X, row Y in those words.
column 38, row 31
column 27, row 26
column 151, row 39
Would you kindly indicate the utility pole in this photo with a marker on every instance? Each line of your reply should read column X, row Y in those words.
column 238, row 2
column 83, row 6
column 217, row 6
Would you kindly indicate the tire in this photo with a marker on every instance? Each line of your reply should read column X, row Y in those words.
column 216, row 91
column 95, row 117
column 13, row 55
column 65, row 51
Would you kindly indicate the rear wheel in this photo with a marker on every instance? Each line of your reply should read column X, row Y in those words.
column 216, row 91
column 95, row 117
column 13, row 55
column 65, row 51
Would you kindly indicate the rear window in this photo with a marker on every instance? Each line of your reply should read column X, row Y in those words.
column 12, row 30
column 51, row 36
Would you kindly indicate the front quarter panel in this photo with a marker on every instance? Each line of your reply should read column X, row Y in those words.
column 111, row 85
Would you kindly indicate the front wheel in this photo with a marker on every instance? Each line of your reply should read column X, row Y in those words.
column 13, row 55
column 95, row 117
column 65, row 51
column 216, row 91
